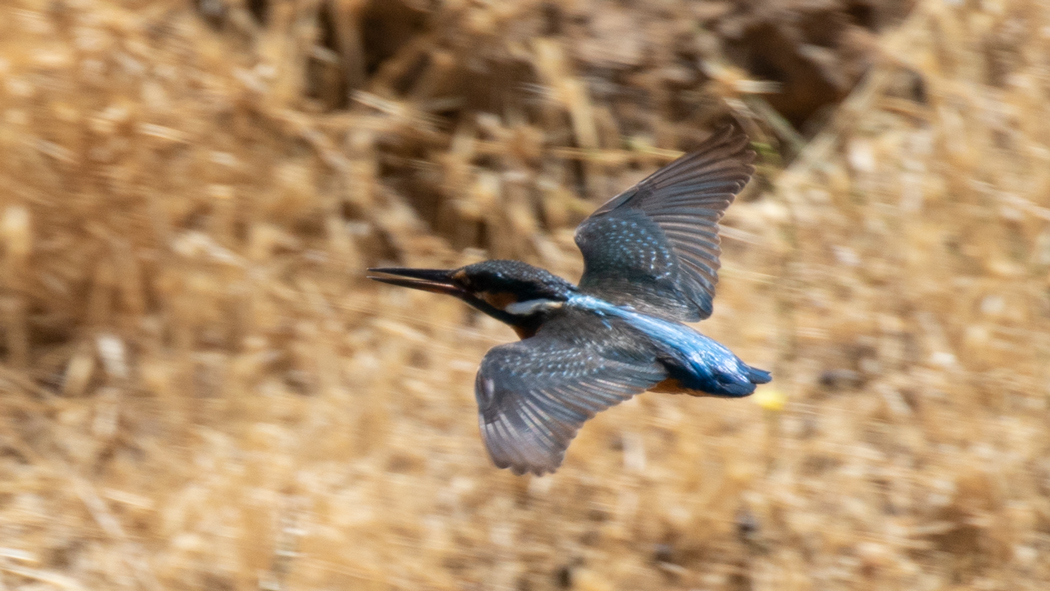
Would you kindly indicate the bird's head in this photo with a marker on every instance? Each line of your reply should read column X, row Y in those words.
column 512, row 292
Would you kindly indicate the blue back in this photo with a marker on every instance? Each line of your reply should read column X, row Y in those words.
column 696, row 361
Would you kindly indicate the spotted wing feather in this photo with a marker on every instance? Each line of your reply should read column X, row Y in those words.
column 534, row 395
column 656, row 245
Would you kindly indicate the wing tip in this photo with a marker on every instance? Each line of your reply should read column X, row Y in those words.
column 737, row 143
column 522, row 466
column 510, row 447
column 725, row 158
column 759, row 376
column 533, row 469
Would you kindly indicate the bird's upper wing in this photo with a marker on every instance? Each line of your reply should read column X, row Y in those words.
column 655, row 246
column 533, row 395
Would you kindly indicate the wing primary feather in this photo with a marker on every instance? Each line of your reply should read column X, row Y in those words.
column 534, row 395
column 684, row 219
column 708, row 245
column 666, row 228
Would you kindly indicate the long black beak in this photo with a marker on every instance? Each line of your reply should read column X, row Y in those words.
column 432, row 280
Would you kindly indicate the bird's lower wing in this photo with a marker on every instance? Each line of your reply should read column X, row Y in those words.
column 534, row 395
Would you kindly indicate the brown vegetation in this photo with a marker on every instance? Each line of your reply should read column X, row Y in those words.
column 200, row 390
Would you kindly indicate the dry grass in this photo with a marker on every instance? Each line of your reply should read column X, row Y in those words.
column 199, row 389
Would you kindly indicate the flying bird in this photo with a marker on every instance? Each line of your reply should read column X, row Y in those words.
column 650, row 264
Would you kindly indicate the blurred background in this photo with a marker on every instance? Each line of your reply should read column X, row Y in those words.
column 200, row 390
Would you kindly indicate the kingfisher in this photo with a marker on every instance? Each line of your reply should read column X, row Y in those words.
column 650, row 265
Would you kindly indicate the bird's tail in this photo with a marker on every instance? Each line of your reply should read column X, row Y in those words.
column 739, row 383
column 758, row 376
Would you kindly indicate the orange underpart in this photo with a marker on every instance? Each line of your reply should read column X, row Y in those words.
column 524, row 332
column 673, row 386
column 499, row 299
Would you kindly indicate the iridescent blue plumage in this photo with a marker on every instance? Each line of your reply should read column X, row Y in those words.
column 650, row 263
column 694, row 361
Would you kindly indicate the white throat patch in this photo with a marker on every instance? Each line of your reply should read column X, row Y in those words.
column 529, row 307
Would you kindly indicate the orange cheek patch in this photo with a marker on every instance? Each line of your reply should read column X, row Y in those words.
column 499, row 300
column 524, row 333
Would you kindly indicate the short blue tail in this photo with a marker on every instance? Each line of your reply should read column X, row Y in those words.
column 734, row 384
column 758, row 376
column 742, row 382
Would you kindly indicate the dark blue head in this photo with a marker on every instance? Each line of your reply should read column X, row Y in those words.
column 512, row 292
